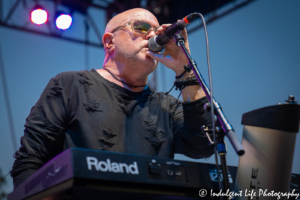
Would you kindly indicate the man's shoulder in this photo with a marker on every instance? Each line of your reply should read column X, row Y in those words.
column 72, row 79
column 72, row 74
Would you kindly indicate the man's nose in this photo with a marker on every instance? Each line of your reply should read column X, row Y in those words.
column 151, row 34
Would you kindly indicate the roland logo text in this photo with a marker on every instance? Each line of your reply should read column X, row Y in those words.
column 108, row 166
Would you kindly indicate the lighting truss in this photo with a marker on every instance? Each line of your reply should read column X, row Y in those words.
column 164, row 10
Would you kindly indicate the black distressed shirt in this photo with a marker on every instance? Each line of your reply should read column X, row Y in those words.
column 82, row 109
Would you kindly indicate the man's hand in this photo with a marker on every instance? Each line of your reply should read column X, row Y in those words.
column 173, row 56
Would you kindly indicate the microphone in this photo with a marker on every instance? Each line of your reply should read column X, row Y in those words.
column 157, row 43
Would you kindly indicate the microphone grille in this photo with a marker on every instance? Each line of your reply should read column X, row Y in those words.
column 153, row 46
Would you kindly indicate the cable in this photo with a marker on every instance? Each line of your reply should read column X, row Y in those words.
column 8, row 109
column 211, row 97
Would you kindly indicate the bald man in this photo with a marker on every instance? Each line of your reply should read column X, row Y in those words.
column 113, row 109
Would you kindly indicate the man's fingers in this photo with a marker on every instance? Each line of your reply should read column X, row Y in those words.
column 162, row 28
column 154, row 56
column 165, row 25
column 184, row 33
column 185, row 37
column 164, row 59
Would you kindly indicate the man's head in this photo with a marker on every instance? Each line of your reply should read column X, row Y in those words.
column 124, row 45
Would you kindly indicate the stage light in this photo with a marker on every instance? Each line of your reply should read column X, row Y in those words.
column 63, row 21
column 38, row 15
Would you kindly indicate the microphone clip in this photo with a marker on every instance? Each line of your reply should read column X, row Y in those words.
column 178, row 38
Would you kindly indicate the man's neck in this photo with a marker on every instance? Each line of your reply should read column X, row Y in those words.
column 130, row 71
column 128, row 80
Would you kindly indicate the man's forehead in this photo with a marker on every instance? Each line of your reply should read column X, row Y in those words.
column 137, row 13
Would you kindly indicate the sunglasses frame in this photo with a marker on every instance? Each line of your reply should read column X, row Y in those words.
column 131, row 23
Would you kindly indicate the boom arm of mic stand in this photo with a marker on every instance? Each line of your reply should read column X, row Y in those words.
column 227, row 128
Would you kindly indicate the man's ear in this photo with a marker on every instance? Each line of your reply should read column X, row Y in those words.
column 107, row 41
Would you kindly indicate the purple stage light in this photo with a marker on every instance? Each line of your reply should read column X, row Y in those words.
column 38, row 16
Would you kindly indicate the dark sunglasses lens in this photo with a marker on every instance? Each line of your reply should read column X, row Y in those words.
column 141, row 27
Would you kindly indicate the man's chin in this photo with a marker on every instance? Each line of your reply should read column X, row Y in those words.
column 146, row 59
column 152, row 61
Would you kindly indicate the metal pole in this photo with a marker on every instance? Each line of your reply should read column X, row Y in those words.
column 7, row 103
column 86, row 47
column 227, row 128
column 1, row 10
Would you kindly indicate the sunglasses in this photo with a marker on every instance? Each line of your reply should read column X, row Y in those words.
column 138, row 26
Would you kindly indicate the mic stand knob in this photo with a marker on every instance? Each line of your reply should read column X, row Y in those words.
column 178, row 38
column 206, row 130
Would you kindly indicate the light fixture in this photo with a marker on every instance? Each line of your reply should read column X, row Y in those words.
column 63, row 21
column 38, row 15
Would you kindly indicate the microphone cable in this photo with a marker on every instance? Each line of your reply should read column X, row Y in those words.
column 211, row 97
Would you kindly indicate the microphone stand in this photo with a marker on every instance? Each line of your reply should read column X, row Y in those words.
column 226, row 127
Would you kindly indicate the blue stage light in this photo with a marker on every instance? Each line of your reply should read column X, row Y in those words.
column 63, row 21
